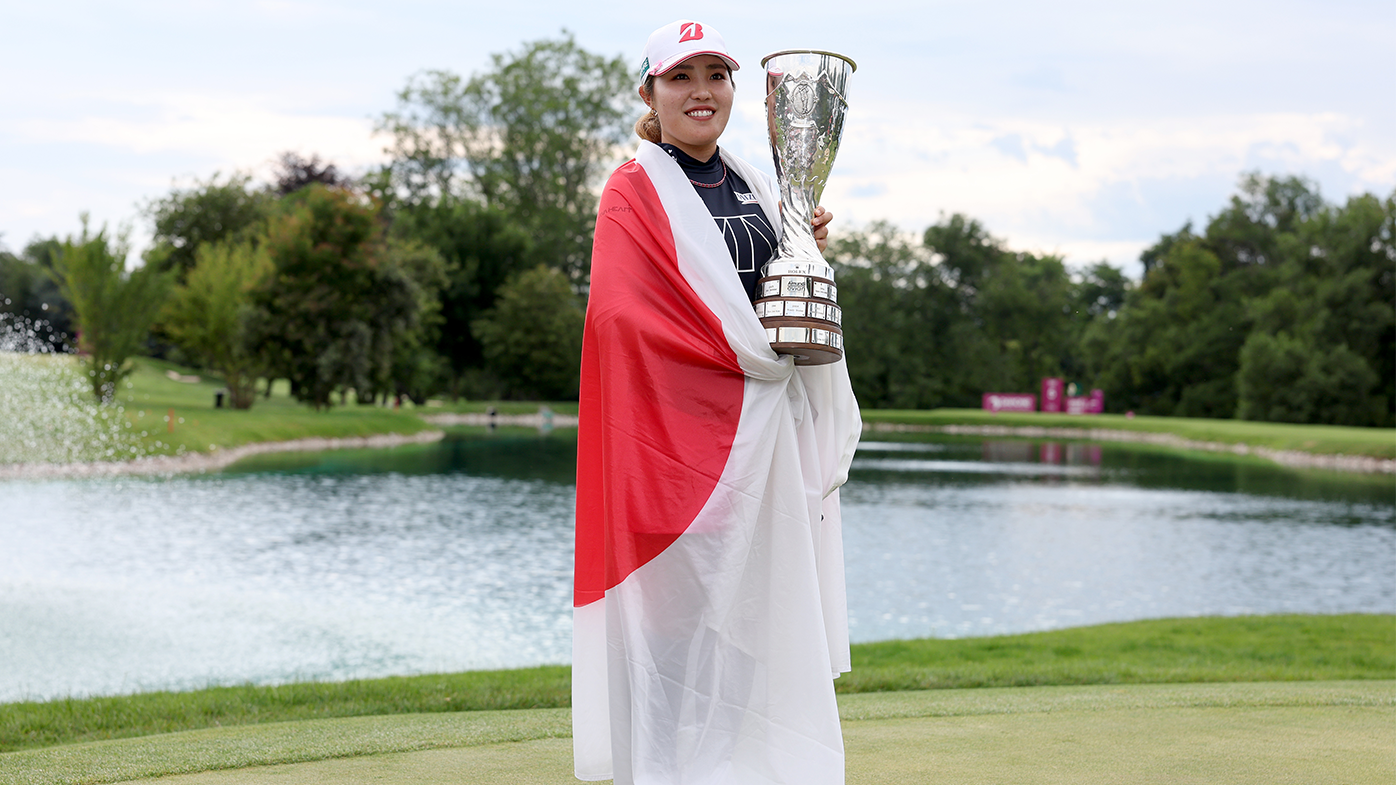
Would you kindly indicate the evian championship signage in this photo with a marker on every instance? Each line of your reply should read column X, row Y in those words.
column 1010, row 402
column 1054, row 399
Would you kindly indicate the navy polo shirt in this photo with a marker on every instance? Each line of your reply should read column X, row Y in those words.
column 750, row 238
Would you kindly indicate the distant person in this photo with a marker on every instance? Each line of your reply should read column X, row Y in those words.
column 710, row 614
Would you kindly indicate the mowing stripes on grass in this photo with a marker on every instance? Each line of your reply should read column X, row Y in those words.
column 990, row 735
column 1258, row 648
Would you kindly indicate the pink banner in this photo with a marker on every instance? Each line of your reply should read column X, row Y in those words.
column 1051, row 394
column 1094, row 404
column 1010, row 402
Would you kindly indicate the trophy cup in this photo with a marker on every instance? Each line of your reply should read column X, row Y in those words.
column 797, row 301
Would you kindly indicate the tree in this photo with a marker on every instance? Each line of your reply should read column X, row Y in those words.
column 1324, row 337
column 208, row 314
column 1287, row 379
column 312, row 323
column 406, row 323
column 1017, row 306
column 533, row 137
column 1174, row 349
column 482, row 248
column 295, row 172
column 113, row 308
column 1284, row 308
column 898, row 315
column 28, row 290
column 532, row 337
column 212, row 211
column 1251, row 229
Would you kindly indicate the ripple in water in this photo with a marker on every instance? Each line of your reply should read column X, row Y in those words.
column 459, row 556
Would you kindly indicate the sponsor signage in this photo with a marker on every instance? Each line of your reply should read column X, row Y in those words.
column 1052, row 394
column 1056, row 397
column 1086, row 404
column 1010, row 402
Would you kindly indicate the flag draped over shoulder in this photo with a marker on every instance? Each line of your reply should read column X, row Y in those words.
column 710, row 614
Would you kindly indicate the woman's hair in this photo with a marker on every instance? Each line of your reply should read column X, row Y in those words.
column 647, row 127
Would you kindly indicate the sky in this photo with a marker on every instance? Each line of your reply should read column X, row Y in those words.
column 1085, row 130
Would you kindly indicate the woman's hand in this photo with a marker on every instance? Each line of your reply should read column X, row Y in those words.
column 820, row 222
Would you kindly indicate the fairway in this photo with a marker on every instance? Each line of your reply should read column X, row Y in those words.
column 1274, row 732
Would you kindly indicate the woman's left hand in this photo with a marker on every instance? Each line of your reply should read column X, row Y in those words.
column 820, row 222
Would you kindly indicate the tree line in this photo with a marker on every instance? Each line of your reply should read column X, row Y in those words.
column 1283, row 308
column 460, row 268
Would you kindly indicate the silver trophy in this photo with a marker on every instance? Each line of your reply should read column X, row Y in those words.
column 806, row 98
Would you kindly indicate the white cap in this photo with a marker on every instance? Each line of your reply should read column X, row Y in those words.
column 676, row 42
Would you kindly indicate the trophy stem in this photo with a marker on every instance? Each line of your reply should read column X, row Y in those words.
column 797, row 241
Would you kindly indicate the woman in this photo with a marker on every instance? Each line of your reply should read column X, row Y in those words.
column 710, row 616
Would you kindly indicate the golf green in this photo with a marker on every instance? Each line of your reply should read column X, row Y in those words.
column 1274, row 732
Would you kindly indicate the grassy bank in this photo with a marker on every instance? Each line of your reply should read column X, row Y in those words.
column 1270, row 648
column 157, row 388
column 1319, row 439
column 151, row 394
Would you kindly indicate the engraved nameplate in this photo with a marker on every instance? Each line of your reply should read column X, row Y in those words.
column 816, row 269
column 794, row 287
column 793, row 335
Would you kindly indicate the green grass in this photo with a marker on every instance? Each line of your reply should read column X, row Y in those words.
column 1246, row 648
column 1189, row 733
column 149, row 396
column 1264, row 648
column 41, row 724
column 1320, row 439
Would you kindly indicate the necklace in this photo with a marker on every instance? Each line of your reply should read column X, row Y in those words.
column 712, row 185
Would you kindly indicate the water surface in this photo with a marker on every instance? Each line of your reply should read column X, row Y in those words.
column 458, row 555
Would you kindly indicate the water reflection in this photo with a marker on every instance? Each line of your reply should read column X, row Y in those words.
column 1003, row 536
column 458, row 555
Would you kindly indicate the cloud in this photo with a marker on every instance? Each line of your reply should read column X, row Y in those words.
column 228, row 130
column 1090, row 189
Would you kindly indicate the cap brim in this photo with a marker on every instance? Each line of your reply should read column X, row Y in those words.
column 690, row 55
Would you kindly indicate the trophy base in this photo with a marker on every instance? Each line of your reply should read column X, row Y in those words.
column 810, row 342
column 799, row 309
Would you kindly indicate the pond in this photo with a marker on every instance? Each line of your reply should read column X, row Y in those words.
column 457, row 555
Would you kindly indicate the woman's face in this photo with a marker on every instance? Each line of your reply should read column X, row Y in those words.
column 694, row 102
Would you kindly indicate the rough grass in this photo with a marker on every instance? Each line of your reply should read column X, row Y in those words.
column 1264, row 648
column 1319, row 439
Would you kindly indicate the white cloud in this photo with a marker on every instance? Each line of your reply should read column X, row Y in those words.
column 228, row 130
column 1087, row 190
